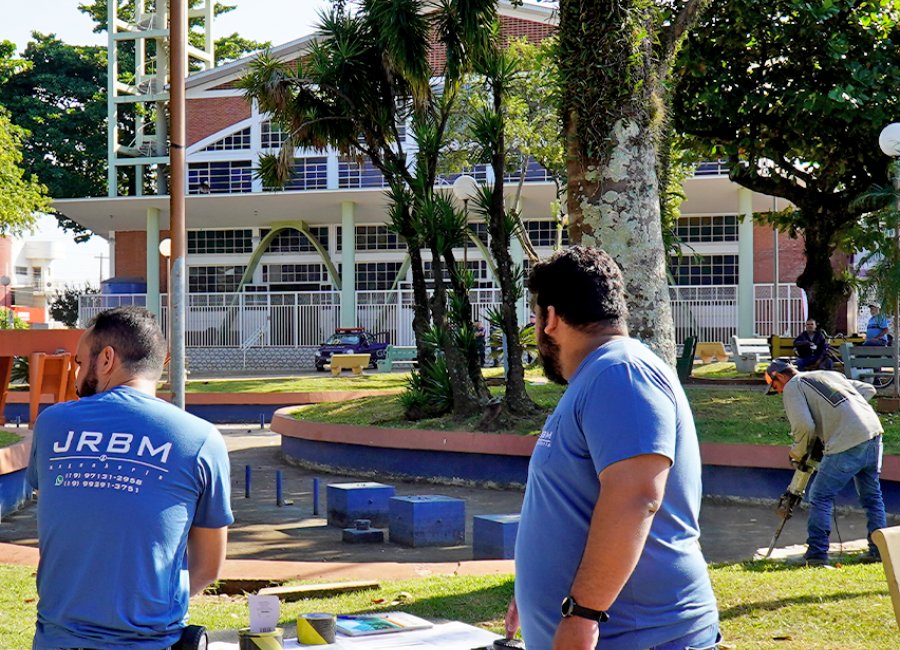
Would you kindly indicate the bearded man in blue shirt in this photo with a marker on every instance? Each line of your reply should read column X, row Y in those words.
column 609, row 525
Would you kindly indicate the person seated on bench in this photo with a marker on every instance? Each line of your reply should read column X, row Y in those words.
column 811, row 348
column 878, row 327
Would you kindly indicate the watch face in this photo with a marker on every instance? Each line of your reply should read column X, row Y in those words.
column 568, row 604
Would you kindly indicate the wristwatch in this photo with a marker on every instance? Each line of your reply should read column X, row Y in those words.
column 571, row 608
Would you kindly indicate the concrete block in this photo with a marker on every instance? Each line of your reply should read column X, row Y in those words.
column 348, row 502
column 368, row 536
column 427, row 520
column 494, row 536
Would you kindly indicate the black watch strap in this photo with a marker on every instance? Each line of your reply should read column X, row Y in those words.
column 572, row 608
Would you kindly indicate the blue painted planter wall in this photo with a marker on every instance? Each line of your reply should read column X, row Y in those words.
column 14, row 491
column 411, row 463
column 216, row 413
column 747, row 482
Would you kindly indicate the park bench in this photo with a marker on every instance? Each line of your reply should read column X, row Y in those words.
column 707, row 350
column 685, row 362
column 405, row 354
column 353, row 362
column 749, row 352
column 869, row 362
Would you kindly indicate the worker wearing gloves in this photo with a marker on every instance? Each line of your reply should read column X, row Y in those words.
column 827, row 405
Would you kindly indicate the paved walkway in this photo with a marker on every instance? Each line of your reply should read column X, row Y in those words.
column 271, row 543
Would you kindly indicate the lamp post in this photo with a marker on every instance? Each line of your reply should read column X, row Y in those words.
column 165, row 249
column 5, row 281
column 464, row 188
column 889, row 141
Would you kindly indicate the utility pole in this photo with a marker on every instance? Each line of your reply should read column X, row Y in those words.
column 178, row 24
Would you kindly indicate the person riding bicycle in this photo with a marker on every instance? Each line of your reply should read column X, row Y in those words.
column 811, row 348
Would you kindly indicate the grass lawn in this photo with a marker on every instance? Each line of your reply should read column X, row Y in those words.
column 8, row 438
column 763, row 605
column 320, row 383
column 726, row 370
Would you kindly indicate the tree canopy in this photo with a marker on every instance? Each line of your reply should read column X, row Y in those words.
column 793, row 94
column 21, row 195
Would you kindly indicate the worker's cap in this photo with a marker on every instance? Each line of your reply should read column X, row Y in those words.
column 874, row 305
column 778, row 365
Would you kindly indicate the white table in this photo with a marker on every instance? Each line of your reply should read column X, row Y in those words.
column 445, row 636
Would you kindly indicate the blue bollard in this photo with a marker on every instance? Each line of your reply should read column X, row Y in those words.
column 248, row 474
column 262, row 420
column 279, row 492
column 18, row 421
column 315, row 496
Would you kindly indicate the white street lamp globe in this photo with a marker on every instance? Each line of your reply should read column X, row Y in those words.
column 889, row 140
column 465, row 187
column 165, row 247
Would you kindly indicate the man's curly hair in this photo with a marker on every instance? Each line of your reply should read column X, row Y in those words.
column 583, row 284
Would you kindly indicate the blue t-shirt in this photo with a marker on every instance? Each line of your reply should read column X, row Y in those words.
column 877, row 323
column 122, row 477
column 622, row 401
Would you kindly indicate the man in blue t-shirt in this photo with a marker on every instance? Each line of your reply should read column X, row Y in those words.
column 877, row 328
column 609, row 525
column 134, row 498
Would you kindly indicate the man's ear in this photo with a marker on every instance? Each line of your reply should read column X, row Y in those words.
column 551, row 320
column 106, row 360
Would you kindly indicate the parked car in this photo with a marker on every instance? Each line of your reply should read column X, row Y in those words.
column 351, row 340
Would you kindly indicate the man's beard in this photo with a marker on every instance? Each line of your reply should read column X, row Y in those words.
column 548, row 353
column 89, row 385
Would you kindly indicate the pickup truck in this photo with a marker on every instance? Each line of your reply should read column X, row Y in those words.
column 351, row 340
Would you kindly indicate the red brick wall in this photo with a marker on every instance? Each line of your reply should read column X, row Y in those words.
column 208, row 116
column 510, row 28
column 790, row 256
column 131, row 256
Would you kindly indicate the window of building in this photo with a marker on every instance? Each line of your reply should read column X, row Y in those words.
column 712, row 168
column 272, row 135
column 37, row 277
column 479, row 269
column 314, row 274
column 214, row 279
column 308, row 174
column 378, row 238
column 21, row 270
column 543, row 232
column 200, row 242
column 481, row 231
column 224, row 177
column 534, row 172
column 376, row 276
column 353, row 174
column 707, row 229
column 237, row 140
column 478, row 172
column 292, row 241
column 704, row 269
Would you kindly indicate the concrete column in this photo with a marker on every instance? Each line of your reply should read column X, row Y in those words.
column 153, row 260
column 348, row 264
column 746, row 306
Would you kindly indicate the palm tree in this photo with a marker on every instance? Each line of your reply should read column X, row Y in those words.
column 368, row 74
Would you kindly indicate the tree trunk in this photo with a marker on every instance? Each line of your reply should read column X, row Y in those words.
column 421, row 310
column 465, row 398
column 473, row 363
column 824, row 291
column 615, row 206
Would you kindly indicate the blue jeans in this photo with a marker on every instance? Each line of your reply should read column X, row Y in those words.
column 706, row 639
column 861, row 464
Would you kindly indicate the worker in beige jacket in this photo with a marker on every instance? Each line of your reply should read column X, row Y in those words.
column 826, row 405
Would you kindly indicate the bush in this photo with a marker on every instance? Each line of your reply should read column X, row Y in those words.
column 18, row 323
column 64, row 305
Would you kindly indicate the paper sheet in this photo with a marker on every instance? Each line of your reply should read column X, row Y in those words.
column 446, row 636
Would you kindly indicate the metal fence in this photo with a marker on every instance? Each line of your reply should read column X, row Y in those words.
column 247, row 320
column 711, row 312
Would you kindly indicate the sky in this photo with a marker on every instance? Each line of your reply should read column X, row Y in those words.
column 278, row 21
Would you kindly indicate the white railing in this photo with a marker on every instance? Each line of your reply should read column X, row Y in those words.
column 711, row 312
column 308, row 318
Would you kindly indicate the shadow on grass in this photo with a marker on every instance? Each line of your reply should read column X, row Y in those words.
column 479, row 606
column 811, row 599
